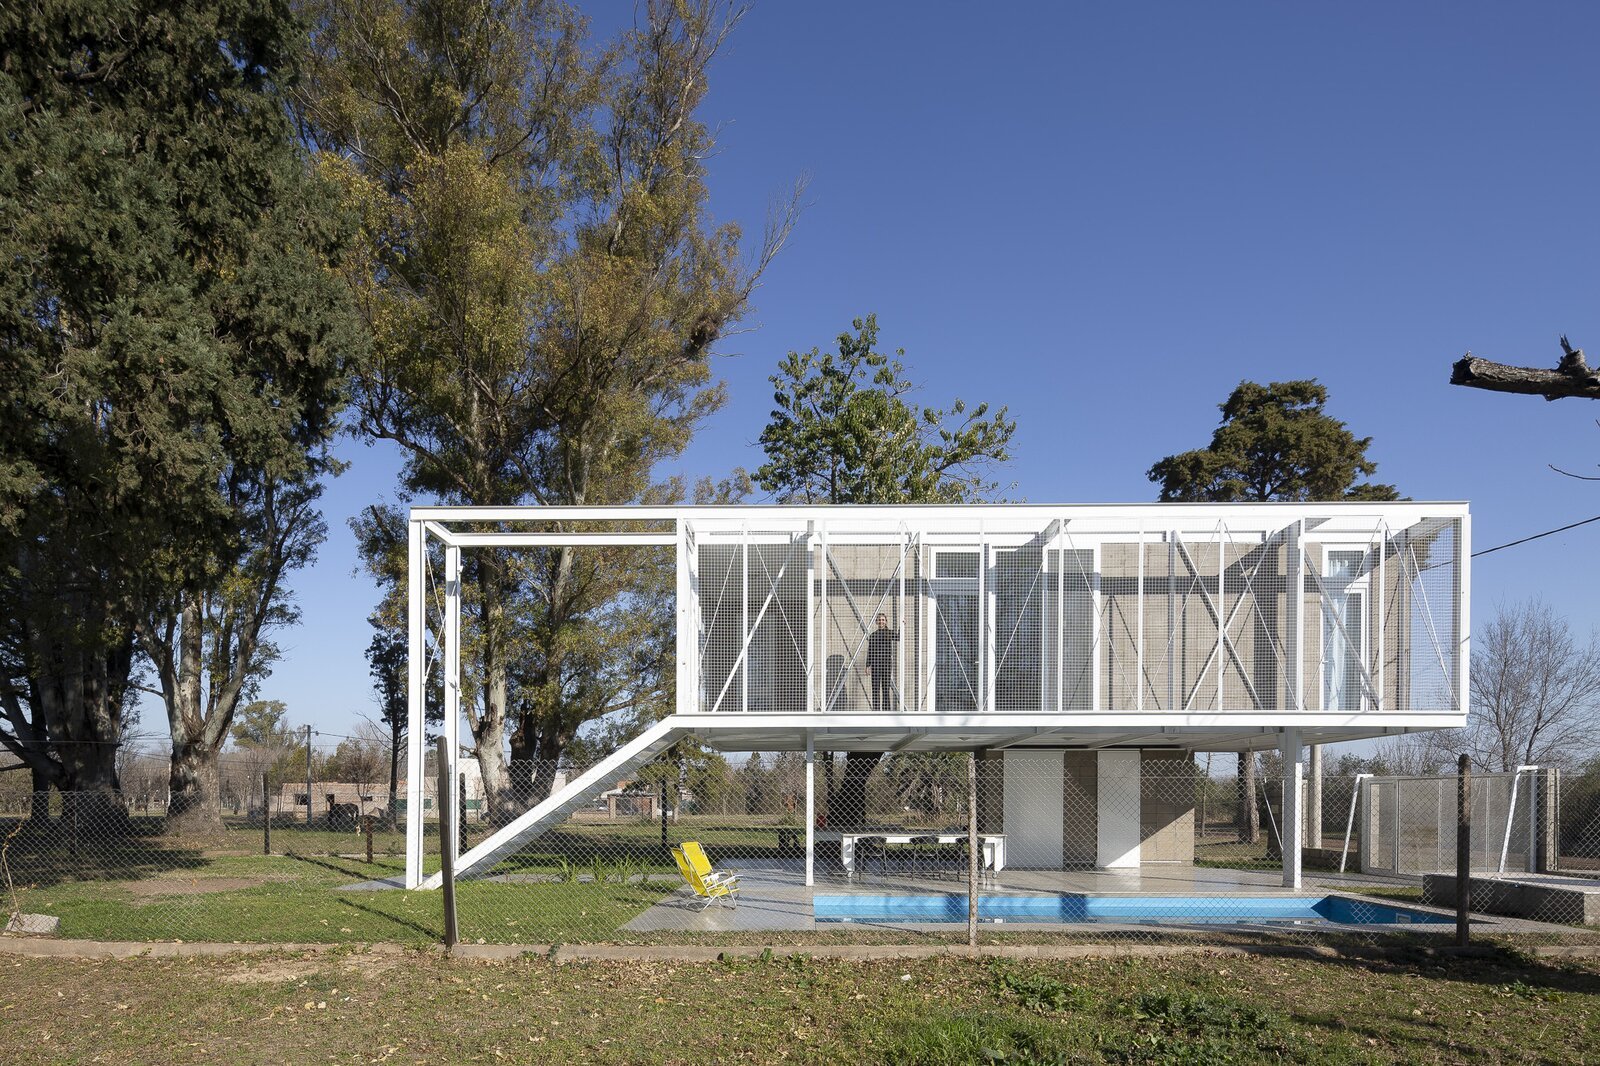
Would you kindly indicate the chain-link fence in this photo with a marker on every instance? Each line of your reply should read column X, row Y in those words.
column 1114, row 844
column 1123, row 844
column 124, row 866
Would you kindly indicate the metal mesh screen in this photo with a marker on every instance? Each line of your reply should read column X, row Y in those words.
column 1080, row 615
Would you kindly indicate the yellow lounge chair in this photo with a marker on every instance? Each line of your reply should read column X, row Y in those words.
column 702, row 865
column 706, row 890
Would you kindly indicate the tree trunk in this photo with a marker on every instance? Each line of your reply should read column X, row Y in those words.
column 196, row 805
column 397, row 737
column 39, row 801
column 1313, row 811
column 489, row 727
column 848, row 808
column 1248, row 818
column 533, row 765
column 496, row 781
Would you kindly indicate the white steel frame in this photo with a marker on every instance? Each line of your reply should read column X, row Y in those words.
column 987, row 527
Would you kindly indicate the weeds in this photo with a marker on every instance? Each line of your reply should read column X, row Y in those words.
column 1040, row 992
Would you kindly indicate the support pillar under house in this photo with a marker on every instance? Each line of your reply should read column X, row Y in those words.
column 1292, row 829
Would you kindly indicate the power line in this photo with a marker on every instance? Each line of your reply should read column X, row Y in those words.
column 1536, row 536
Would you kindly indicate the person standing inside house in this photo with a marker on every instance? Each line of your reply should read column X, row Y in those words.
column 880, row 663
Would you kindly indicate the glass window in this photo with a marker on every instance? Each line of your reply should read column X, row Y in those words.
column 1343, row 632
column 956, row 564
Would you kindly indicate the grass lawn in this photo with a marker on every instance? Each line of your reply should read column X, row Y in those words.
column 357, row 1008
column 286, row 898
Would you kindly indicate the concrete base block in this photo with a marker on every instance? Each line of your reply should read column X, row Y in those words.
column 33, row 924
column 1542, row 897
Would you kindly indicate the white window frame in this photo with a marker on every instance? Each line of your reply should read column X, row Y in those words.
column 1361, row 584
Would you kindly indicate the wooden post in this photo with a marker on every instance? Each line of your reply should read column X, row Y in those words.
column 367, row 822
column 461, row 812
column 447, row 858
column 266, row 815
column 1463, row 850
column 973, row 856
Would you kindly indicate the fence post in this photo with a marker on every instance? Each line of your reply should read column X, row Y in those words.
column 973, row 858
column 461, row 812
column 1463, row 850
column 367, row 820
column 447, row 859
column 266, row 815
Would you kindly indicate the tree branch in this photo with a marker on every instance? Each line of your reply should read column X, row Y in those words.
column 1572, row 377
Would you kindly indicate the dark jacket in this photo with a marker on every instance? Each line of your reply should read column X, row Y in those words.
column 880, row 649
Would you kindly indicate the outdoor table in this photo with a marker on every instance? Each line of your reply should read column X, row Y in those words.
column 994, row 844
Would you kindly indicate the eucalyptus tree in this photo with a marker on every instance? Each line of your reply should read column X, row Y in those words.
column 544, row 288
column 169, row 331
column 843, row 429
column 1275, row 442
column 210, row 644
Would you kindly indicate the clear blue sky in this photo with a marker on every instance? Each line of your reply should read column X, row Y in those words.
column 1102, row 213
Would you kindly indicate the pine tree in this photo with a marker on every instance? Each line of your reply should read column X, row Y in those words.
column 168, row 329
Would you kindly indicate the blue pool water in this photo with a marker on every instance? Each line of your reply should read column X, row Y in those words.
column 1170, row 910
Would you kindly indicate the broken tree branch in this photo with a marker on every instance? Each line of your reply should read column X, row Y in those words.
column 1571, row 377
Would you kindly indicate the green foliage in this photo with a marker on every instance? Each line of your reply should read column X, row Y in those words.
column 697, row 778
column 1041, row 992
column 933, row 784
column 168, row 325
column 1196, row 1028
column 843, row 431
column 361, row 762
column 261, row 722
column 387, row 659
column 544, row 287
column 1276, row 442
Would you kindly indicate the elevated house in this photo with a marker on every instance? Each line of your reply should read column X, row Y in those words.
column 1068, row 645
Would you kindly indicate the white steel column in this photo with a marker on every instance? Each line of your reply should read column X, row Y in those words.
column 825, row 680
column 744, row 623
column 811, row 808
column 985, row 627
column 811, row 619
column 1383, row 552
column 1295, row 607
column 899, row 687
column 1061, row 615
column 1463, row 613
column 1138, row 645
column 688, row 694
column 1290, row 830
column 416, row 689
column 452, row 689
column 1172, row 621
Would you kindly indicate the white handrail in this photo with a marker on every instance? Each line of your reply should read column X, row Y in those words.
column 1511, row 812
column 1350, row 822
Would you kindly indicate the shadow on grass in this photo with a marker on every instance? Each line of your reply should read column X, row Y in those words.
column 435, row 935
column 1500, row 967
column 55, row 853
column 372, row 872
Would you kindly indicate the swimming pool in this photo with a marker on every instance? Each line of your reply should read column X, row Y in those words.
column 1157, row 910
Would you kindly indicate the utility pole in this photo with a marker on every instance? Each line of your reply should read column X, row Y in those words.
column 308, row 776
